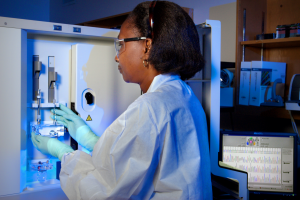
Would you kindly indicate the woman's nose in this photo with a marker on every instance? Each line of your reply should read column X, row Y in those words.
column 116, row 59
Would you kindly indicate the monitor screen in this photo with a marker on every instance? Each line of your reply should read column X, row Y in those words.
column 269, row 159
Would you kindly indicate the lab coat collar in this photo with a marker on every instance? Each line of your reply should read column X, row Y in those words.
column 160, row 79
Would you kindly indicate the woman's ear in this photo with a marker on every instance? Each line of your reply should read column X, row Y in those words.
column 148, row 45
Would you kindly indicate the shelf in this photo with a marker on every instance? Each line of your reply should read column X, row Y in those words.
column 197, row 81
column 107, row 22
column 266, row 111
column 253, row 18
column 274, row 43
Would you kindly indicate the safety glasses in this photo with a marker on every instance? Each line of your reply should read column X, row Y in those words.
column 120, row 44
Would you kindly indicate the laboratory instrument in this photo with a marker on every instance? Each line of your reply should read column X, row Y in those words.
column 85, row 78
column 44, row 73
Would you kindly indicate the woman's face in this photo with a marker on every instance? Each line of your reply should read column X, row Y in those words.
column 131, row 60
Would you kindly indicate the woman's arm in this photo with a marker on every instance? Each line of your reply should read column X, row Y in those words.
column 123, row 163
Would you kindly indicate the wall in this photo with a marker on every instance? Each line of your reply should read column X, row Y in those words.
column 26, row 9
column 226, row 13
column 87, row 10
column 83, row 10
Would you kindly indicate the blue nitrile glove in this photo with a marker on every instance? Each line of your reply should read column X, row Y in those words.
column 50, row 146
column 76, row 127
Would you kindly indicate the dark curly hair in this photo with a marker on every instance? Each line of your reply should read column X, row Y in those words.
column 175, row 45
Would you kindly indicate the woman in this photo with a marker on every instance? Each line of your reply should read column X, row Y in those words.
column 158, row 148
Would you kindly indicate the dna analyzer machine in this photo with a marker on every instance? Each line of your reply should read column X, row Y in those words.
column 45, row 64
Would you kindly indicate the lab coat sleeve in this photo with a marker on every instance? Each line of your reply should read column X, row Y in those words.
column 123, row 162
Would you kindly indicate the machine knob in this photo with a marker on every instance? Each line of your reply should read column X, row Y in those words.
column 89, row 98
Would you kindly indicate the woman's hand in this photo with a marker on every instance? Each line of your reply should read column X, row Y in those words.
column 77, row 127
column 69, row 119
column 50, row 146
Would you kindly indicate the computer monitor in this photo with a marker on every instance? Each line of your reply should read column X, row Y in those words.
column 269, row 159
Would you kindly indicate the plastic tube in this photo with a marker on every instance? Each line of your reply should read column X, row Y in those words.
column 54, row 101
